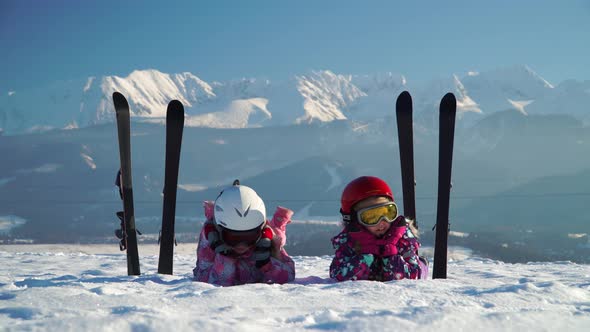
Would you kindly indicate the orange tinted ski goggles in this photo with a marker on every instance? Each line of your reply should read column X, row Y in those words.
column 372, row 215
column 233, row 238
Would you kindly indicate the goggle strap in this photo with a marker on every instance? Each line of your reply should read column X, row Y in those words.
column 346, row 217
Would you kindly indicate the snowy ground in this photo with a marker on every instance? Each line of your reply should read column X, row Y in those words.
column 59, row 288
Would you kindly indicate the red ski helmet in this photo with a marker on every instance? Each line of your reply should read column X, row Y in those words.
column 361, row 188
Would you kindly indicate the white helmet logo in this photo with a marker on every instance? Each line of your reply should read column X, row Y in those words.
column 245, row 213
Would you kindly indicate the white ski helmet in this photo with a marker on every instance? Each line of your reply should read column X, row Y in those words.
column 239, row 208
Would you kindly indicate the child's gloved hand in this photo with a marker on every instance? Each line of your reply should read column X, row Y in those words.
column 388, row 244
column 279, row 222
column 215, row 241
column 209, row 206
column 364, row 242
column 263, row 247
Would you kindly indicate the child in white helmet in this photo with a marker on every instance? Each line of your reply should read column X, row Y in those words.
column 237, row 245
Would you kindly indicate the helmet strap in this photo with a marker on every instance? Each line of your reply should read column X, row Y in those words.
column 350, row 222
column 346, row 217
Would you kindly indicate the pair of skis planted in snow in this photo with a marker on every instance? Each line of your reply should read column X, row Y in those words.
column 448, row 109
column 128, row 233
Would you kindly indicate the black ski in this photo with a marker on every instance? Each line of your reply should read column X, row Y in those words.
column 127, row 234
column 448, row 109
column 405, row 133
column 174, row 127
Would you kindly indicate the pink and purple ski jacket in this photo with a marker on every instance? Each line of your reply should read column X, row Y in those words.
column 218, row 269
column 362, row 256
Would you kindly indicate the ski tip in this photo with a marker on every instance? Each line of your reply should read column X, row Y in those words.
column 175, row 111
column 404, row 97
column 175, row 105
column 448, row 102
column 449, row 98
column 118, row 96
column 119, row 100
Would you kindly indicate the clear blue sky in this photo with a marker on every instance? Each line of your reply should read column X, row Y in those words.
column 42, row 41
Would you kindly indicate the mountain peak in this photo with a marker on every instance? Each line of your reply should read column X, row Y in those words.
column 326, row 95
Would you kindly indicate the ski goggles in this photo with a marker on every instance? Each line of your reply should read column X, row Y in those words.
column 372, row 215
column 233, row 238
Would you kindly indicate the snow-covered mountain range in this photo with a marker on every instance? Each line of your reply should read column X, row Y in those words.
column 317, row 96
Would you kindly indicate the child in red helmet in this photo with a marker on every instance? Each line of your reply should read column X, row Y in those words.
column 376, row 243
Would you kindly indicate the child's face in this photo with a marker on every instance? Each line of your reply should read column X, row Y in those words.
column 382, row 226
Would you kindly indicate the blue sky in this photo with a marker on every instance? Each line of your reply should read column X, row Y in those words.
column 42, row 41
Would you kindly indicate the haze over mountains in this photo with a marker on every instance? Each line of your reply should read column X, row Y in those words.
column 521, row 159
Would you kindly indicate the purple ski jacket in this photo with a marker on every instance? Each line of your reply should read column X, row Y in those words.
column 227, row 270
column 362, row 256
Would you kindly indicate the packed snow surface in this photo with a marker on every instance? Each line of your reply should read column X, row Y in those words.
column 80, row 288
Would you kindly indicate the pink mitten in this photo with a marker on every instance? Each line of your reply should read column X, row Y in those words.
column 363, row 242
column 209, row 206
column 389, row 243
column 279, row 222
